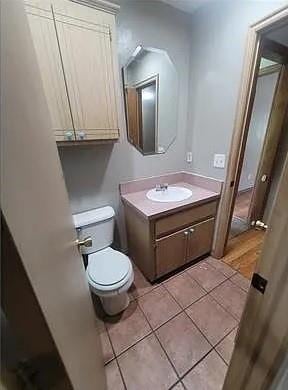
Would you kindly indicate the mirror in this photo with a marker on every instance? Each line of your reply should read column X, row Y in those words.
column 151, row 100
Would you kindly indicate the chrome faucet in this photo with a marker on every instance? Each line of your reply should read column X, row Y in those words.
column 161, row 187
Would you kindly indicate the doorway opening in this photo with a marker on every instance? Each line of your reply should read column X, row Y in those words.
column 267, row 83
column 261, row 153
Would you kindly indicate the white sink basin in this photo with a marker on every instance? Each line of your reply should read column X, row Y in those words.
column 172, row 194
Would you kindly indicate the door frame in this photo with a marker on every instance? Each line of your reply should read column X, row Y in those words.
column 254, row 47
column 269, row 148
column 261, row 343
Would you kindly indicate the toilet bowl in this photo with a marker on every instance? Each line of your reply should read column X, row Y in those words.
column 109, row 272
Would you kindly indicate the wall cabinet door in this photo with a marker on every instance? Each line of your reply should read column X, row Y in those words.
column 85, row 40
column 43, row 33
column 200, row 239
column 171, row 252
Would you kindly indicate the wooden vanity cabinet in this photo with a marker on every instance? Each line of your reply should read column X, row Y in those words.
column 77, row 57
column 160, row 245
column 170, row 252
column 200, row 239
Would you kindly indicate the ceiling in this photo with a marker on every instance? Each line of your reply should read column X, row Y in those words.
column 187, row 5
column 280, row 35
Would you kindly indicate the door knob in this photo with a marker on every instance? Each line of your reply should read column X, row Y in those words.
column 87, row 242
column 259, row 225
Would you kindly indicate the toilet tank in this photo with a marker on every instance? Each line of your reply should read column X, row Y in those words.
column 97, row 223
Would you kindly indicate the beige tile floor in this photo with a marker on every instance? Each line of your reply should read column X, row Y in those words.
column 178, row 334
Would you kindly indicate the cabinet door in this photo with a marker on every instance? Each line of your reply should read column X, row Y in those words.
column 200, row 239
column 85, row 40
column 40, row 19
column 171, row 252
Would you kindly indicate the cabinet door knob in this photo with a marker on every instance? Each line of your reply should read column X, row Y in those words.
column 81, row 135
column 68, row 135
column 191, row 230
column 186, row 233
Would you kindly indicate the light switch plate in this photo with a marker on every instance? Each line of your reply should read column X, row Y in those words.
column 219, row 160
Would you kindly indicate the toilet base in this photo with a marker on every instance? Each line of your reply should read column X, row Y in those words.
column 115, row 304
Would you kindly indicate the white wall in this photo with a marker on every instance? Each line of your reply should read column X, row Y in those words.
column 218, row 37
column 258, row 125
column 93, row 173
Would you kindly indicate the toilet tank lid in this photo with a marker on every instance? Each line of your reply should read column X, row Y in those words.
column 93, row 216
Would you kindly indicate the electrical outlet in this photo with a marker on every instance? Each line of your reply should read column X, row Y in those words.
column 189, row 157
column 219, row 160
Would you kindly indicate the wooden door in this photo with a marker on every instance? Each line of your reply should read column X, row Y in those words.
column 262, row 341
column 36, row 208
column 171, row 252
column 132, row 102
column 268, row 153
column 200, row 239
column 43, row 34
column 85, row 40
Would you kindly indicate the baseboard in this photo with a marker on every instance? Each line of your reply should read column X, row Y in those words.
column 245, row 190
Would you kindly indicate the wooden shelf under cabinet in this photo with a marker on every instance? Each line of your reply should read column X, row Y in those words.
column 161, row 245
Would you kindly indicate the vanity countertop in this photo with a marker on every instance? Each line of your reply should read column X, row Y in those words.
column 151, row 209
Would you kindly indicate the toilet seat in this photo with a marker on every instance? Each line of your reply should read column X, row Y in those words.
column 109, row 271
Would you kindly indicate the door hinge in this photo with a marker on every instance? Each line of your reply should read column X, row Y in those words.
column 259, row 283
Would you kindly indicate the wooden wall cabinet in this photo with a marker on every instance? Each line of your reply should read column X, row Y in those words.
column 75, row 48
column 161, row 245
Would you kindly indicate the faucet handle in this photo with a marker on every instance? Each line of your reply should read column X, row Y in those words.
column 165, row 185
column 158, row 187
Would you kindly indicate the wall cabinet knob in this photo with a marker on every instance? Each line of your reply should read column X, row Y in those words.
column 191, row 230
column 186, row 233
column 68, row 135
column 81, row 135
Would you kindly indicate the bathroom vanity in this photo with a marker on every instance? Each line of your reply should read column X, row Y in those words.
column 164, row 236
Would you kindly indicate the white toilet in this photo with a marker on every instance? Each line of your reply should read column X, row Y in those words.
column 109, row 272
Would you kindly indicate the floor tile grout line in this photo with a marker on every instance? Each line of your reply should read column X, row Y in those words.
column 178, row 303
column 208, row 291
column 121, row 374
column 176, row 384
column 218, row 342
column 158, row 327
column 196, row 324
column 235, row 284
column 221, row 304
column 154, row 333
column 223, row 307
column 184, row 310
column 152, row 289
column 115, row 358
column 133, row 344
column 233, row 269
column 196, row 364
column 227, row 364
